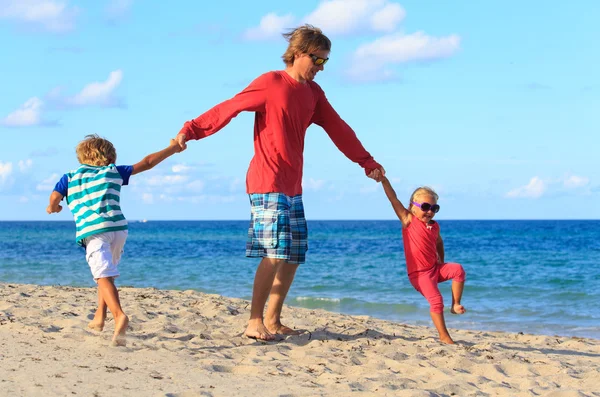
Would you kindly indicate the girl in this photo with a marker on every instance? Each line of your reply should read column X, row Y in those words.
column 424, row 251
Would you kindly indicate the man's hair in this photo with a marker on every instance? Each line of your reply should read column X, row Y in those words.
column 96, row 151
column 304, row 40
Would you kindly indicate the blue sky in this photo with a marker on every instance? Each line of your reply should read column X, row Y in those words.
column 495, row 104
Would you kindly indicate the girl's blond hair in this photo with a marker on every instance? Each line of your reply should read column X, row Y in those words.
column 304, row 40
column 96, row 151
column 422, row 191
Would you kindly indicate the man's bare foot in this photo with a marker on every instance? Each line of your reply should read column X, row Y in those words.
column 96, row 325
column 447, row 340
column 457, row 309
column 257, row 330
column 280, row 329
column 121, row 324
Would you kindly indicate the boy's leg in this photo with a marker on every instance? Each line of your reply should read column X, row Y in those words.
column 97, row 324
column 109, row 293
column 263, row 281
column 287, row 271
column 456, row 273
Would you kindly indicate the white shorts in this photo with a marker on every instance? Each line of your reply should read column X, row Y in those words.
column 103, row 253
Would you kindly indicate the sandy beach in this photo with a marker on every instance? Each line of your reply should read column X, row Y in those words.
column 185, row 343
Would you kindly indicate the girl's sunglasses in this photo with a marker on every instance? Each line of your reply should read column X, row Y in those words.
column 426, row 207
column 318, row 61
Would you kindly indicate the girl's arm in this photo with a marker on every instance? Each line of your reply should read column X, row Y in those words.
column 151, row 160
column 403, row 214
column 440, row 248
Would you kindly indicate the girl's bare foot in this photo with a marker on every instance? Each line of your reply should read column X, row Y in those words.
column 257, row 330
column 457, row 309
column 121, row 324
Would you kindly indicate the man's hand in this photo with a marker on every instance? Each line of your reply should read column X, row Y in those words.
column 378, row 174
column 53, row 210
column 177, row 147
column 181, row 138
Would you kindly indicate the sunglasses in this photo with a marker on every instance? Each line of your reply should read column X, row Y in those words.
column 426, row 207
column 318, row 61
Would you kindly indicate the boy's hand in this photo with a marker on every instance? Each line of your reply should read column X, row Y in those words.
column 377, row 174
column 53, row 210
column 178, row 148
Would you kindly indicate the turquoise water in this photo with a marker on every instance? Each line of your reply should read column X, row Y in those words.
column 522, row 276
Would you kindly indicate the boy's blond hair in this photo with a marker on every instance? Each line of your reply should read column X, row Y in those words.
column 422, row 191
column 96, row 151
column 304, row 39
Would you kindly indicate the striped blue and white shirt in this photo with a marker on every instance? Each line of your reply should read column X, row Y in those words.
column 93, row 196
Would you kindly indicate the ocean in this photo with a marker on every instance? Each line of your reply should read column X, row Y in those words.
column 540, row 277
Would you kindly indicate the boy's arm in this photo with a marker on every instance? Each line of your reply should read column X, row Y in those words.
column 440, row 248
column 151, row 160
column 402, row 213
column 54, row 206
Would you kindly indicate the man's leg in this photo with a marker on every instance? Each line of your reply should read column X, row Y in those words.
column 281, row 286
column 263, row 282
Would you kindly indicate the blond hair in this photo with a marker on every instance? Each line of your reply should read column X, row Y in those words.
column 422, row 191
column 96, row 151
column 304, row 40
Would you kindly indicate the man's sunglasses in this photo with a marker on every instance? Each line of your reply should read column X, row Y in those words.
column 426, row 207
column 318, row 61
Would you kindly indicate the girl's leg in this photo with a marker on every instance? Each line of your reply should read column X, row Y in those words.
column 456, row 273
column 426, row 284
column 110, row 294
column 97, row 324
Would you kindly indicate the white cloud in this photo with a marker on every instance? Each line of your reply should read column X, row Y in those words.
column 388, row 17
column 98, row 93
column 48, row 184
column 574, row 181
column 147, row 198
column 195, row 186
column 371, row 60
column 117, row 9
column 49, row 15
column 347, row 16
column 271, row 25
column 29, row 114
column 313, row 184
column 534, row 189
column 181, row 168
column 23, row 199
column 25, row 165
column 162, row 180
column 5, row 172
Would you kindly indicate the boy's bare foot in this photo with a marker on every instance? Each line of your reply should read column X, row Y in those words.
column 96, row 325
column 280, row 329
column 447, row 340
column 257, row 330
column 121, row 324
column 457, row 309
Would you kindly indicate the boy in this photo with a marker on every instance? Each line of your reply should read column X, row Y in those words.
column 92, row 193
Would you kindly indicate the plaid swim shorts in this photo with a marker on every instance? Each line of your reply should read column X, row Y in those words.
column 277, row 228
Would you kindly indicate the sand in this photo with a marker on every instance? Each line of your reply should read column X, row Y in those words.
column 185, row 343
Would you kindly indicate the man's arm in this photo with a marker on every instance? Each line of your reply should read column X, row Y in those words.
column 151, row 160
column 251, row 99
column 344, row 137
column 440, row 248
column 54, row 206
column 403, row 214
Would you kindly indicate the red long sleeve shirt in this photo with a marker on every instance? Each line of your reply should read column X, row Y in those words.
column 284, row 109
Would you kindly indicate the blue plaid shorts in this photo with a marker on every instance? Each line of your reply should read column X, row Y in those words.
column 277, row 228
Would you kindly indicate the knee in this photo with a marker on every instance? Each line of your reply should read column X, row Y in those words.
column 436, row 304
column 461, row 274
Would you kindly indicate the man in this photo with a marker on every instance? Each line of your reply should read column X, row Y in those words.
column 286, row 103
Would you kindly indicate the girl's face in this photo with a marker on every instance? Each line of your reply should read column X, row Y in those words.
column 423, row 216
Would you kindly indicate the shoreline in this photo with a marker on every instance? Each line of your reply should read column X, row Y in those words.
column 187, row 343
